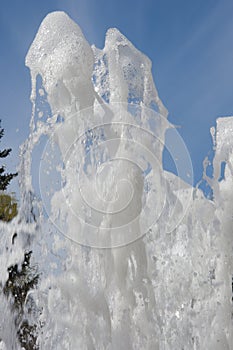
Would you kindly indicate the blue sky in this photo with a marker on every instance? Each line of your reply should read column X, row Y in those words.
column 189, row 42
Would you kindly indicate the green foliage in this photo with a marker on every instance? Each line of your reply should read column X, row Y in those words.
column 27, row 336
column 8, row 207
column 5, row 178
column 21, row 280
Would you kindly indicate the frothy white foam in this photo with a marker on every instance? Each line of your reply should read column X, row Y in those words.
column 169, row 284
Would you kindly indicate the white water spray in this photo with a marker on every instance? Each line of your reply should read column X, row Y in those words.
column 131, row 256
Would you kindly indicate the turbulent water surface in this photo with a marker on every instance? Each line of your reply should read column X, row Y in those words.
column 129, row 255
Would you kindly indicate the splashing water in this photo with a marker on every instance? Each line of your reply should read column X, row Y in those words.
column 131, row 257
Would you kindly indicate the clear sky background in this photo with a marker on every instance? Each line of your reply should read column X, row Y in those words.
column 189, row 42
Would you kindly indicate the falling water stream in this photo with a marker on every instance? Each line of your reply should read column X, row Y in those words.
column 129, row 256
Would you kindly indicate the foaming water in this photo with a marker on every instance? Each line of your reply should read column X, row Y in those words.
column 130, row 256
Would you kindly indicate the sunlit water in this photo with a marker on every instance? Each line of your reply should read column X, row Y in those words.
column 129, row 256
